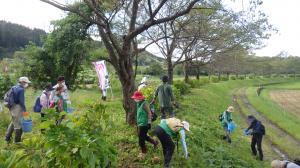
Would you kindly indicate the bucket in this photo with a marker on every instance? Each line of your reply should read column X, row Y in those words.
column 70, row 110
column 231, row 127
column 27, row 125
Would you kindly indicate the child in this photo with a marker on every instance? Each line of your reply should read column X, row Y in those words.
column 60, row 103
column 143, row 121
column 226, row 119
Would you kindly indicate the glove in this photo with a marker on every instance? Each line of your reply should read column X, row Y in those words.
column 25, row 114
column 149, row 126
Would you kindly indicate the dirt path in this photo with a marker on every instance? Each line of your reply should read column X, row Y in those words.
column 288, row 99
column 280, row 133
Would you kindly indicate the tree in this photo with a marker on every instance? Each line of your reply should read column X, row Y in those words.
column 64, row 51
column 119, row 23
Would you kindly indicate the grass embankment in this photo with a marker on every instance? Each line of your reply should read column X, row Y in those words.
column 201, row 108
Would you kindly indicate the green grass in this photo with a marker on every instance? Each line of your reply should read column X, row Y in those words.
column 274, row 112
column 201, row 108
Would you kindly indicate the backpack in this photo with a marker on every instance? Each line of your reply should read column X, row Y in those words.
column 9, row 99
column 154, row 115
column 37, row 105
column 221, row 117
column 259, row 128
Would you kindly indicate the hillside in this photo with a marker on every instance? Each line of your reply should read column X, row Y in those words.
column 14, row 36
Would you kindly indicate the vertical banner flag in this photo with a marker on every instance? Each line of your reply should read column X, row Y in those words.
column 102, row 74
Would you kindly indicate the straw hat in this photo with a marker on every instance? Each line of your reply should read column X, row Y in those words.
column 230, row 109
column 277, row 164
column 138, row 95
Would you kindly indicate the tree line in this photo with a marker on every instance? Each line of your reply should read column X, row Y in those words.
column 14, row 36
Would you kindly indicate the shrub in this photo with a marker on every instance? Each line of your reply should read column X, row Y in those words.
column 232, row 78
column 5, row 84
column 251, row 76
column 214, row 79
column 267, row 76
column 241, row 77
column 183, row 87
column 224, row 78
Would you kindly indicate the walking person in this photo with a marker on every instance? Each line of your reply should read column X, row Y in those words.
column 165, row 97
column 167, row 130
column 17, row 110
column 258, row 131
column 226, row 119
column 45, row 99
column 144, row 119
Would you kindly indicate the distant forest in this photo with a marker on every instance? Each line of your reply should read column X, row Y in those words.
column 14, row 36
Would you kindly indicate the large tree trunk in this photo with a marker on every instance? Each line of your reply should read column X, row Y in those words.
column 170, row 70
column 127, row 79
column 186, row 74
column 198, row 72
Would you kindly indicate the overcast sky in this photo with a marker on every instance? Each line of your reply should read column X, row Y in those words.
column 283, row 14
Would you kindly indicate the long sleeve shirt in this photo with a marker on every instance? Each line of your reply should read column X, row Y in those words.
column 19, row 96
column 165, row 95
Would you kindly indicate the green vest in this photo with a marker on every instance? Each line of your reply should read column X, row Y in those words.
column 168, row 130
column 141, row 115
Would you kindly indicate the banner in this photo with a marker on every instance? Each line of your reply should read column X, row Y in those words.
column 102, row 74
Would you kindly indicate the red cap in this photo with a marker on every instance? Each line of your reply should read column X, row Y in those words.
column 138, row 95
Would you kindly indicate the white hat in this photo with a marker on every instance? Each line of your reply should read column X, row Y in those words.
column 230, row 109
column 186, row 125
column 24, row 79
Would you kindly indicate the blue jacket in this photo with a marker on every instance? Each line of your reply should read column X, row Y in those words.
column 19, row 96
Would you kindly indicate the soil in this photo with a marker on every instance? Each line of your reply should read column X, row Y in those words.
column 287, row 99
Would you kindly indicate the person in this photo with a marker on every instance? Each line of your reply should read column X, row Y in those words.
column 61, row 83
column 143, row 83
column 45, row 100
column 168, row 129
column 226, row 119
column 258, row 131
column 144, row 120
column 60, row 103
column 284, row 164
column 165, row 97
column 17, row 110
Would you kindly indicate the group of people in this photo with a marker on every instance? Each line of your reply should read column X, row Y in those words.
column 168, row 130
column 51, row 97
column 256, row 129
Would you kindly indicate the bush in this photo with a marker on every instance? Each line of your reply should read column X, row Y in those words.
column 232, row 78
column 214, row 79
column 267, row 76
column 241, row 77
column 5, row 84
column 224, row 78
column 183, row 87
column 251, row 76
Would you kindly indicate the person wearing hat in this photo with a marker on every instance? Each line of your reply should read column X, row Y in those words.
column 45, row 98
column 165, row 97
column 226, row 119
column 17, row 110
column 283, row 164
column 144, row 119
column 258, row 131
column 168, row 129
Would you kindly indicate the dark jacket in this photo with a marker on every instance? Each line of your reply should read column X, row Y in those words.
column 257, row 127
column 19, row 97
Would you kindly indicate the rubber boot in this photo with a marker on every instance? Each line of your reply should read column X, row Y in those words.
column 9, row 133
column 144, row 149
column 18, row 136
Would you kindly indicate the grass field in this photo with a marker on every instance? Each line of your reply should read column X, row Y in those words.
column 200, row 107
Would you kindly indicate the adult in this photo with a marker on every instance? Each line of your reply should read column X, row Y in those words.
column 45, row 98
column 17, row 110
column 165, row 97
column 226, row 119
column 60, row 103
column 61, row 83
column 283, row 164
column 143, row 83
column 258, row 131
column 168, row 129
column 144, row 119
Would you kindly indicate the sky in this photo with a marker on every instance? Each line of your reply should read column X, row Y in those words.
column 283, row 14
